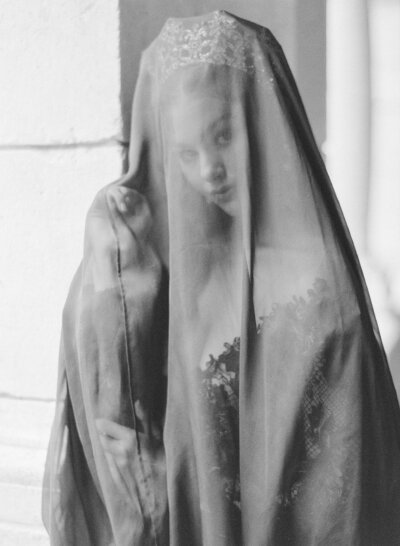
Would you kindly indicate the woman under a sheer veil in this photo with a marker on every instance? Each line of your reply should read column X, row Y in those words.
column 222, row 380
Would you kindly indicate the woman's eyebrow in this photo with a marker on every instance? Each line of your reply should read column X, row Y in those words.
column 212, row 126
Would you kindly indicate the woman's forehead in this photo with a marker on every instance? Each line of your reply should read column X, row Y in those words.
column 194, row 116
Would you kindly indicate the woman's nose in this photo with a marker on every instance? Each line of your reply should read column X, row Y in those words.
column 212, row 168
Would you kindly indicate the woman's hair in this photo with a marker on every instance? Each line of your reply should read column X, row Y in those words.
column 204, row 79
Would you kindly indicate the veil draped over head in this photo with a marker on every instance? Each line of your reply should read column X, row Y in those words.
column 220, row 313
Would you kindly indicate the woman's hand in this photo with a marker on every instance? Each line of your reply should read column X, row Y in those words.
column 131, row 471
column 120, row 447
column 118, row 219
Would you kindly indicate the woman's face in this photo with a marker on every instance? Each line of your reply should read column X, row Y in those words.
column 205, row 138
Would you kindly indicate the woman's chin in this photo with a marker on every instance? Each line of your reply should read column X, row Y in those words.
column 231, row 208
column 227, row 202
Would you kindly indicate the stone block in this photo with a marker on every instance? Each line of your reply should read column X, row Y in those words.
column 22, row 535
column 59, row 70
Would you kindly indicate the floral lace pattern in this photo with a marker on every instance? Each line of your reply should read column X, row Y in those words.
column 219, row 39
column 322, row 407
column 220, row 391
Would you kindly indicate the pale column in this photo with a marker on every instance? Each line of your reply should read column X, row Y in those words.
column 348, row 110
column 384, row 222
column 349, row 136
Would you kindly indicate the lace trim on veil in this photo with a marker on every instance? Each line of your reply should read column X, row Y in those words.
column 322, row 407
column 219, row 39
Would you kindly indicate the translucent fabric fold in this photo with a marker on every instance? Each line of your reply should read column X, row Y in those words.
column 220, row 314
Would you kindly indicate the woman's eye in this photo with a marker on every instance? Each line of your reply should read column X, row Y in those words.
column 187, row 155
column 224, row 138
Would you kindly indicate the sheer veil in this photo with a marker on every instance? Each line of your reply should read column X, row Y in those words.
column 220, row 312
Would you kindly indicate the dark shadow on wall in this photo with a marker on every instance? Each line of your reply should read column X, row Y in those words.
column 299, row 25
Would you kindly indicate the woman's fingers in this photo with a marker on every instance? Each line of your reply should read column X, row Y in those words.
column 116, row 201
column 117, row 441
column 114, row 430
column 129, row 214
column 122, row 215
column 121, row 198
column 115, row 447
column 120, row 201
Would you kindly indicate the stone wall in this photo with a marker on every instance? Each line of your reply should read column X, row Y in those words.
column 60, row 124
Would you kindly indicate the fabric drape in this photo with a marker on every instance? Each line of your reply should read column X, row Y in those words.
column 221, row 314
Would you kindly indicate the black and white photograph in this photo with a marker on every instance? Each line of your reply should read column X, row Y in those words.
column 200, row 273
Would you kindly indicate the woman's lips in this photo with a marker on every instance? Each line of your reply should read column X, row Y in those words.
column 220, row 191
